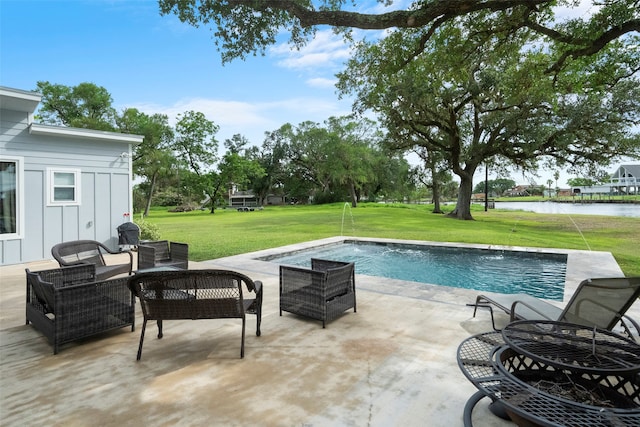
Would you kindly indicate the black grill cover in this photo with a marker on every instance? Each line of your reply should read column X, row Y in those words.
column 128, row 234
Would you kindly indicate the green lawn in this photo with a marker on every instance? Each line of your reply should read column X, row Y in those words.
column 228, row 232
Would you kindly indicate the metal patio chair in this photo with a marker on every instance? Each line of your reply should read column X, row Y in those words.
column 598, row 303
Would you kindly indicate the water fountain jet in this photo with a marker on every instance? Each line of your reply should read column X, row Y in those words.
column 344, row 211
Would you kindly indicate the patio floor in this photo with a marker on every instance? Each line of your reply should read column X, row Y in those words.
column 393, row 363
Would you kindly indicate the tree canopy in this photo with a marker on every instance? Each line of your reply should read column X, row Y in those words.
column 83, row 106
column 243, row 27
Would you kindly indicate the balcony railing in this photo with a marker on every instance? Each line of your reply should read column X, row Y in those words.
column 626, row 181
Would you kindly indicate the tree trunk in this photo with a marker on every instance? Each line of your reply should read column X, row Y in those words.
column 212, row 203
column 435, row 187
column 152, row 186
column 214, row 195
column 436, row 198
column 354, row 196
column 463, row 205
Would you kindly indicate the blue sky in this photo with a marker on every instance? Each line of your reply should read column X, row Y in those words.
column 160, row 65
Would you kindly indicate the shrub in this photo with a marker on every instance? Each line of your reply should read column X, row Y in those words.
column 148, row 231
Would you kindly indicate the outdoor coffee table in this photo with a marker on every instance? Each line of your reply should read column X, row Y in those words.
column 533, row 371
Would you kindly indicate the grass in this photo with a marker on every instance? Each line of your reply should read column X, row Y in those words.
column 229, row 232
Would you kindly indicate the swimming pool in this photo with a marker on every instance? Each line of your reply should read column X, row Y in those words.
column 538, row 274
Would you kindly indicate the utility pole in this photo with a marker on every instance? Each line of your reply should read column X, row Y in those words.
column 486, row 186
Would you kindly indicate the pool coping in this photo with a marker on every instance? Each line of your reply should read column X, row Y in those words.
column 581, row 264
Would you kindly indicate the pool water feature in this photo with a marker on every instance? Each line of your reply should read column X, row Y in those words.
column 538, row 274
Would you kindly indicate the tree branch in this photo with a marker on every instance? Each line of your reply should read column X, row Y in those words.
column 595, row 45
column 429, row 12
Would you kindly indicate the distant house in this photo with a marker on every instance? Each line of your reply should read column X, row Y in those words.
column 518, row 190
column 625, row 180
column 242, row 199
column 247, row 199
column 58, row 183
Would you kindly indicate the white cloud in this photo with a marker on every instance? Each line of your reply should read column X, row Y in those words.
column 252, row 119
column 233, row 113
column 321, row 82
column 326, row 51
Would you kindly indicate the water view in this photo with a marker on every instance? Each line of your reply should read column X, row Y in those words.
column 537, row 274
column 609, row 209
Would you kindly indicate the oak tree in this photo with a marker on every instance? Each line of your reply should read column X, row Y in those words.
column 480, row 93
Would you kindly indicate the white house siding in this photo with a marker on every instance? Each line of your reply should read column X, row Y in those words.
column 105, row 186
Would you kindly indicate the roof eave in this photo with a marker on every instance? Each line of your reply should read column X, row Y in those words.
column 96, row 135
column 18, row 100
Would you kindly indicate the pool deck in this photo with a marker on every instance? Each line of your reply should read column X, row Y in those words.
column 393, row 363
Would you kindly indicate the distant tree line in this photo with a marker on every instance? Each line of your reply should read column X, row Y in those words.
column 342, row 159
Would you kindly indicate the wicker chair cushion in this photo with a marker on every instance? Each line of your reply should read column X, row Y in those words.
column 88, row 256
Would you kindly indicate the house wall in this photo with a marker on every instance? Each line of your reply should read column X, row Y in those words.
column 105, row 188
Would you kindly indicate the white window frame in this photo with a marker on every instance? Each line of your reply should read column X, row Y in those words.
column 51, row 187
column 19, row 234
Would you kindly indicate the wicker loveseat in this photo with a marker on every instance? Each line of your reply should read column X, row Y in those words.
column 77, row 252
column 196, row 294
column 163, row 254
column 323, row 292
column 67, row 304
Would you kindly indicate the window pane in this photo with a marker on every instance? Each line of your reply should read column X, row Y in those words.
column 8, row 202
column 63, row 178
column 61, row 194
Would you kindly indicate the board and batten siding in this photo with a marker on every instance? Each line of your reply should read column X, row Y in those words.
column 104, row 167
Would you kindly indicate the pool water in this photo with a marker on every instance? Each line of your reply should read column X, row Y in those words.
column 538, row 274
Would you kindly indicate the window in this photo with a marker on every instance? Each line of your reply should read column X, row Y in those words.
column 11, row 197
column 64, row 187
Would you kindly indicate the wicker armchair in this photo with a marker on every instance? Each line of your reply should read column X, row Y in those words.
column 196, row 294
column 77, row 252
column 67, row 304
column 323, row 292
column 163, row 254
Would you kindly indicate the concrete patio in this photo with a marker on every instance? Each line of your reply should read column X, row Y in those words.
column 393, row 363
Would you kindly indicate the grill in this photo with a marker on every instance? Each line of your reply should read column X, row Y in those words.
column 554, row 374
column 128, row 234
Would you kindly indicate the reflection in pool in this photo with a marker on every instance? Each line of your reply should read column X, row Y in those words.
column 538, row 274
